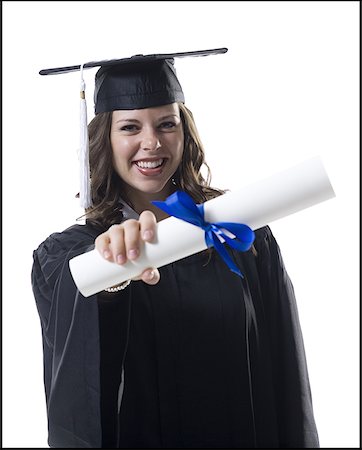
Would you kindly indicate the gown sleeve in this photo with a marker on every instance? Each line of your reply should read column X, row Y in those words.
column 295, row 418
column 69, row 324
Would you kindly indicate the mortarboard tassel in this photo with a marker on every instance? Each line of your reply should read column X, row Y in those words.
column 85, row 186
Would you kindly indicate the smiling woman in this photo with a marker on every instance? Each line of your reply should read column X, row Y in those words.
column 189, row 355
column 115, row 149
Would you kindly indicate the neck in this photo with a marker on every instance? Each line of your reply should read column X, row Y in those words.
column 141, row 201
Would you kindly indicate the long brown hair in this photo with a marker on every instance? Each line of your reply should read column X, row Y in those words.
column 106, row 185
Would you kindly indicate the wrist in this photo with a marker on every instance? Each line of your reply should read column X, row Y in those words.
column 118, row 287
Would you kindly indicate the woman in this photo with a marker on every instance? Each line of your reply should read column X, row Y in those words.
column 186, row 356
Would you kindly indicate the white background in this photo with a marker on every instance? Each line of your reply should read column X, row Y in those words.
column 287, row 90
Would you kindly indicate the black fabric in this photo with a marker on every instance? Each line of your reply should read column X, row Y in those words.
column 212, row 361
column 136, row 86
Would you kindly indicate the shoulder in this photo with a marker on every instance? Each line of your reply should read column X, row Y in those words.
column 72, row 237
column 267, row 247
column 263, row 237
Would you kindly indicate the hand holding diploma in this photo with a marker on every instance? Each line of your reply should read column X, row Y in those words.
column 123, row 242
column 256, row 205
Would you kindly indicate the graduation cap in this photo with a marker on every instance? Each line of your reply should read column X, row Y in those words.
column 141, row 81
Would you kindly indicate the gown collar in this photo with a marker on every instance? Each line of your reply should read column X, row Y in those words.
column 128, row 212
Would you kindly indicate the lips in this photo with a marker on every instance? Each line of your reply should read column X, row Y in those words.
column 149, row 164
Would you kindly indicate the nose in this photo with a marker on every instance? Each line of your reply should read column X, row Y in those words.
column 150, row 140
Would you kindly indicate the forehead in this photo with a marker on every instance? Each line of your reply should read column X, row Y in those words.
column 154, row 112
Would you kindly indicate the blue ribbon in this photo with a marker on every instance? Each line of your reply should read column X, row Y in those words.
column 181, row 205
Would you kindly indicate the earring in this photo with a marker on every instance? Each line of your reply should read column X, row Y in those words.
column 173, row 181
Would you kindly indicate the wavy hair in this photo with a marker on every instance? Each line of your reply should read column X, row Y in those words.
column 107, row 186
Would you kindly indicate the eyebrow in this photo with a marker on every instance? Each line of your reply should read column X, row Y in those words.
column 168, row 116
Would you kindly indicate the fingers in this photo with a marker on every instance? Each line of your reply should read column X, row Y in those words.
column 111, row 244
column 123, row 242
column 147, row 226
column 116, row 245
column 102, row 245
column 131, row 239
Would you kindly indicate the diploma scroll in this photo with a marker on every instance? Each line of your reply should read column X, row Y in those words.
column 256, row 205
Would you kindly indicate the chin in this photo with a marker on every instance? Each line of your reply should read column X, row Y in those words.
column 152, row 188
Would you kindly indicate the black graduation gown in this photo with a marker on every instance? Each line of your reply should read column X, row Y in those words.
column 210, row 360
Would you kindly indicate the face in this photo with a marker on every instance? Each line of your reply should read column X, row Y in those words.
column 147, row 146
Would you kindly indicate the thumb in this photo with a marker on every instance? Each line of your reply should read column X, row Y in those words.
column 150, row 276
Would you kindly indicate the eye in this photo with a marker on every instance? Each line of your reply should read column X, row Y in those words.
column 167, row 125
column 129, row 128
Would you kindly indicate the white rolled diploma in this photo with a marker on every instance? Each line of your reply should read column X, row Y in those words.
column 255, row 205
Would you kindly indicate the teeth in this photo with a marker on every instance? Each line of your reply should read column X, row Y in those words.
column 149, row 164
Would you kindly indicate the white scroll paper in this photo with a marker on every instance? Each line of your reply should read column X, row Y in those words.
column 256, row 205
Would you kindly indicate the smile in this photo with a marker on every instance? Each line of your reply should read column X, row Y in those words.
column 150, row 164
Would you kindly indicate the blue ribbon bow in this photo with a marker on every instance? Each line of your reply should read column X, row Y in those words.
column 238, row 236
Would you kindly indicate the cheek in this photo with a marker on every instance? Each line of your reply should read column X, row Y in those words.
column 178, row 146
column 121, row 151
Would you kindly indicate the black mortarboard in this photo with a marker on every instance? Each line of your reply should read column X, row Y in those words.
column 141, row 81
